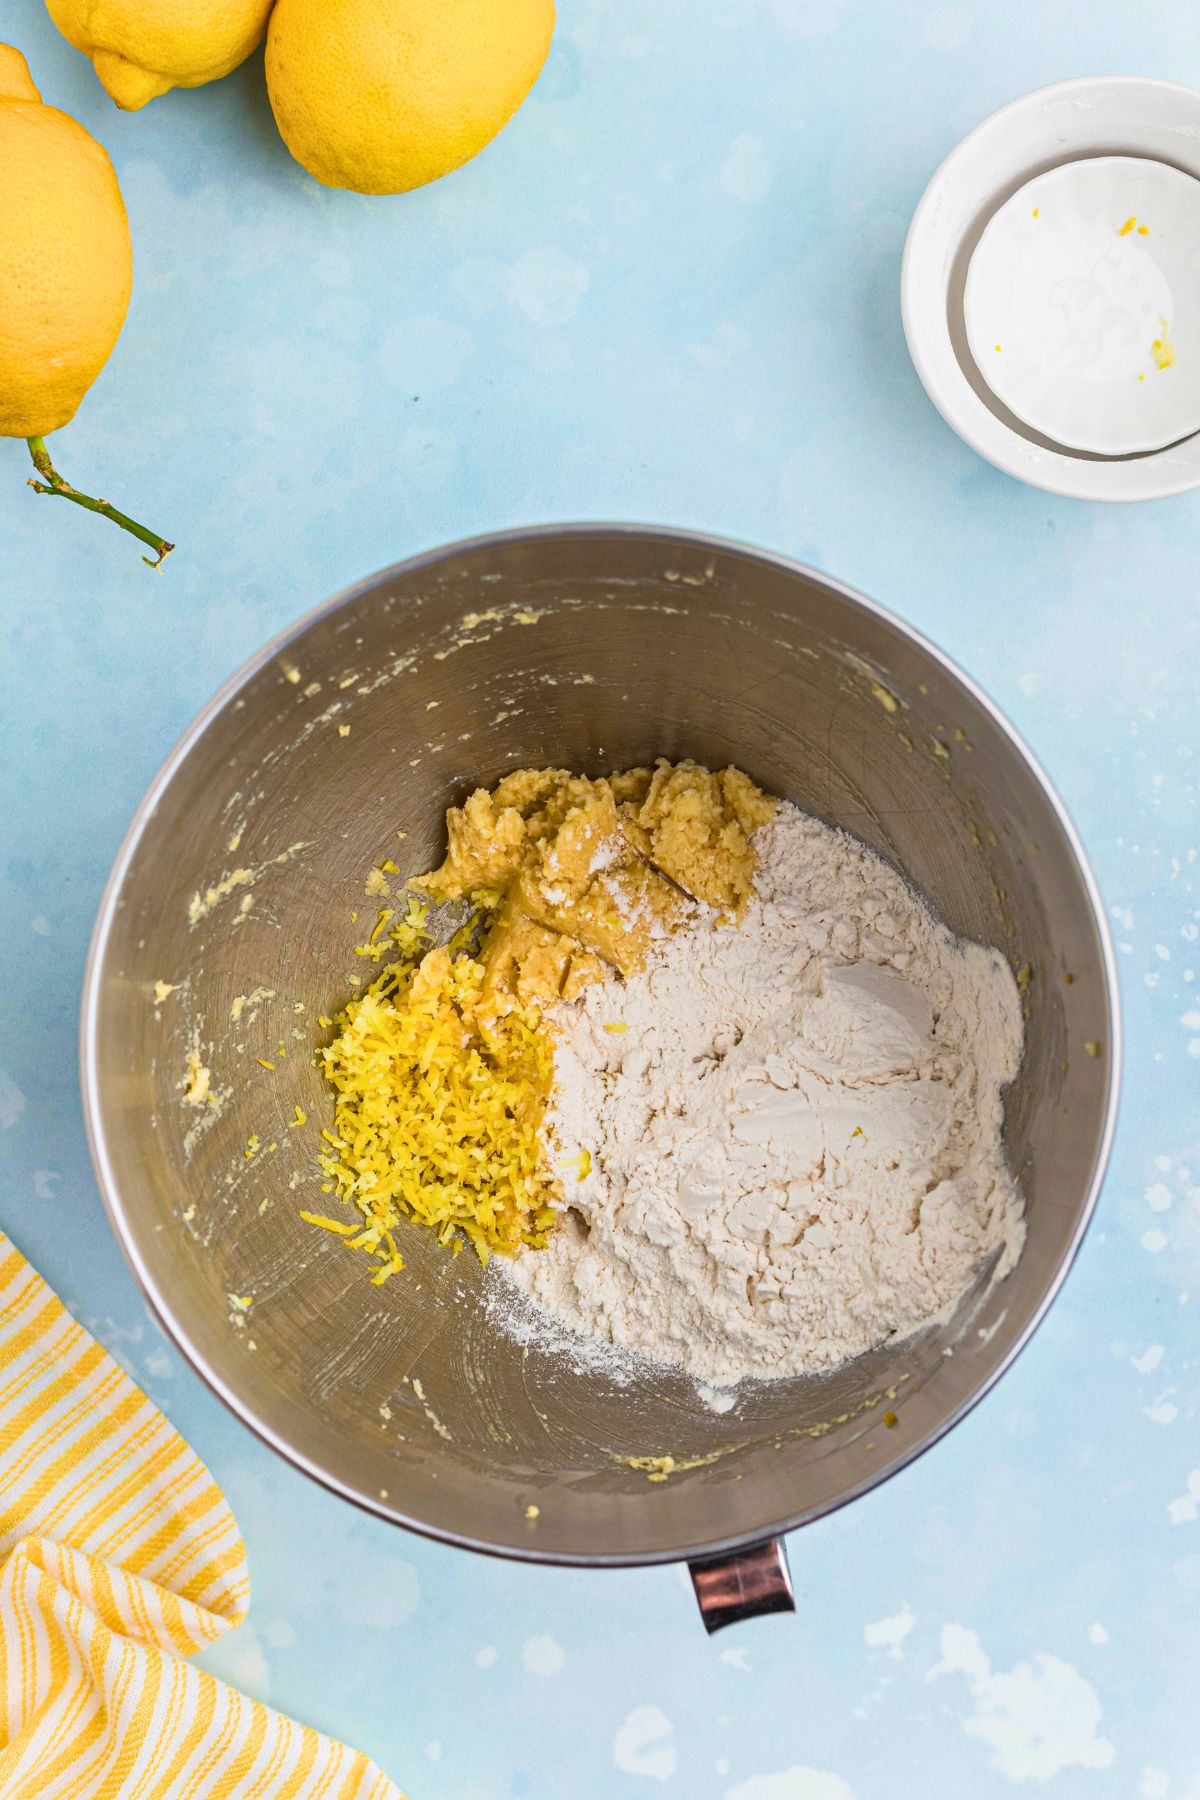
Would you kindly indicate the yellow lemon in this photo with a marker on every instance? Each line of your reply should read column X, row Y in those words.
column 66, row 266
column 140, row 48
column 382, row 98
column 66, row 271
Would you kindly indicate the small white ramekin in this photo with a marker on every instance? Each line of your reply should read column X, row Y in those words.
column 1104, row 115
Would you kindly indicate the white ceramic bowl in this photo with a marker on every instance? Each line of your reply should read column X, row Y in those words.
column 1111, row 115
column 1082, row 304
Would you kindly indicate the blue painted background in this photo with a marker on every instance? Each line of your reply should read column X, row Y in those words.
column 668, row 292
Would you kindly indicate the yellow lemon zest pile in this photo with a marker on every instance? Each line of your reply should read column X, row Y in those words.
column 438, row 1113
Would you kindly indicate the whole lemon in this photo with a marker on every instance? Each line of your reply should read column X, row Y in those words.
column 141, row 48
column 66, row 266
column 382, row 98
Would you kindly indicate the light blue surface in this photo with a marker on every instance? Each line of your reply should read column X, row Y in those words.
column 668, row 292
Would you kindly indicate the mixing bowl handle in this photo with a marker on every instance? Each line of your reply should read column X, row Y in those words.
column 743, row 1584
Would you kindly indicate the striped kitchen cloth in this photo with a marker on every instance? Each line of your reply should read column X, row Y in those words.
column 119, row 1557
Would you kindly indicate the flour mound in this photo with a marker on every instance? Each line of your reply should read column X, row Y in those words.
column 792, row 1150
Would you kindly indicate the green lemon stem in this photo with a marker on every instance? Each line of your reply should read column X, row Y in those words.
column 54, row 484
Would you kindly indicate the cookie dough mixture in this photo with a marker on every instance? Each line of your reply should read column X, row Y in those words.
column 706, row 1073
column 443, row 1068
column 585, row 875
column 780, row 1140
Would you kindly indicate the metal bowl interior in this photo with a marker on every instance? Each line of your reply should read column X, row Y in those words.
column 238, row 886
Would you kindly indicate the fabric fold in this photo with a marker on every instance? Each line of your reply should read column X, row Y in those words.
column 120, row 1557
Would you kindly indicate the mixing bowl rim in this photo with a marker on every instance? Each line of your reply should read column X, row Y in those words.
column 159, row 1305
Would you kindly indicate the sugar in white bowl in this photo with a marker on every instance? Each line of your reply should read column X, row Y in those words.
column 1082, row 304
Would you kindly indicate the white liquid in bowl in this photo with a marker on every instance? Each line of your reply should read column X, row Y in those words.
column 1082, row 304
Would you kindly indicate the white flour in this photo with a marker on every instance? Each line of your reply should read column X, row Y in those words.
column 795, row 1142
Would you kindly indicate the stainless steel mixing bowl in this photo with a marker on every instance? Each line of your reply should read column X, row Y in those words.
column 593, row 647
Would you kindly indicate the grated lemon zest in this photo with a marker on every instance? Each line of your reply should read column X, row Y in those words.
column 438, row 1107
column 385, row 916
column 339, row 1225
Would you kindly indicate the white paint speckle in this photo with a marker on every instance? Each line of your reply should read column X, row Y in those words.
column 737, row 1656
column 242, row 1661
column 1155, row 1784
column 41, row 925
column 1040, row 1717
column 1158, row 1197
column 542, row 1656
column 1154, row 1241
column 889, row 1634
column 746, row 171
column 1098, row 1634
column 645, row 1744
column 727, row 342
column 1148, row 1361
column 1186, row 1510
column 486, row 1657
column 1163, row 1164
column 1164, row 1410
column 547, row 286
column 796, row 1783
column 388, row 1600
column 433, row 1749
column 43, row 1183
column 12, row 1102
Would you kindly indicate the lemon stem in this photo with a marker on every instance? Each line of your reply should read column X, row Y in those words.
column 54, row 484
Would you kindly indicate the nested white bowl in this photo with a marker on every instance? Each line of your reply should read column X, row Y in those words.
column 1107, row 115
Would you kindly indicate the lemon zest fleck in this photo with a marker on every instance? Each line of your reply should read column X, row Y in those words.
column 340, row 1226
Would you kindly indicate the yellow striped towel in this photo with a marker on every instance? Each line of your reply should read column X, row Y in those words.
column 119, row 1556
